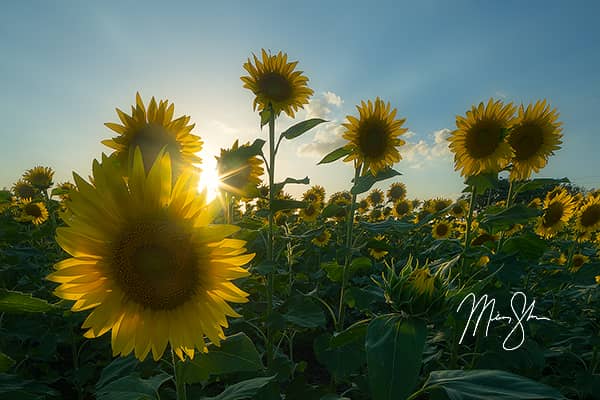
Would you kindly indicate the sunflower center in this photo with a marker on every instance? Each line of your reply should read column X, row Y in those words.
column 275, row 86
column 373, row 137
column 441, row 230
column 155, row 264
column 591, row 216
column 553, row 214
column 402, row 208
column 33, row 210
column 151, row 139
column 527, row 141
column 483, row 138
column 457, row 210
column 578, row 261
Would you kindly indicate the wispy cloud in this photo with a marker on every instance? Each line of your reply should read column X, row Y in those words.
column 328, row 136
column 433, row 147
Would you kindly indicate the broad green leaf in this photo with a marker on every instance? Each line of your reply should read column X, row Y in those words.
column 340, row 361
column 118, row 368
column 18, row 302
column 5, row 362
column 481, row 182
column 525, row 246
column 301, row 127
column 236, row 354
column 335, row 155
column 394, row 347
column 332, row 210
column 353, row 334
column 539, row 183
column 365, row 182
column 279, row 204
column 279, row 186
column 333, row 270
column 304, row 312
column 388, row 225
column 133, row 387
column 517, row 214
column 487, row 384
column 13, row 387
column 243, row 390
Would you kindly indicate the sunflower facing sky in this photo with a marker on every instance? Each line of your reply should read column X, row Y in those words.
column 148, row 261
column 534, row 137
column 152, row 129
column 374, row 136
column 559, row 206
column 39, row 177
column 238, row 174
column 24, row 190
column 396, row 192
column 479, row 142
column 274, row 81
column 588, row 217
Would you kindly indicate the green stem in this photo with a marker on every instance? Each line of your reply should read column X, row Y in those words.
column 179, row 383
column 348, row 257
column 271, row 239
column 508, row 204
column 469, row 221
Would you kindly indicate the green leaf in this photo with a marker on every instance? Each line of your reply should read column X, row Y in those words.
column 394, row 347
column 387, row 226
column 333, row 270
column 304, row 312
column 119, row 367
column 487, row 384
column 5, row 362
column 365, row 182
column 332, row 210
column 265, row 116
column 279, row 186
column 525, row 246
column 5, row 196
column 243, row 390
column 236, row 354
column 517, row 214
column 301, row 127
column 133, row 387
column 539, row 183
column 279, row 204
column 265, row 267
column 481, row 182
column 341, row 361
column 355, row 333
column 18, row 302
column 335, row 155
column 13, row 387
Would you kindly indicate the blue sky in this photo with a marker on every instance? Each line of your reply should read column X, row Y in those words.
column 66, row 65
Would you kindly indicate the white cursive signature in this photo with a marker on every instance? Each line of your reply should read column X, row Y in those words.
column 525, row 314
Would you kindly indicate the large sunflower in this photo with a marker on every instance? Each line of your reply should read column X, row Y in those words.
column 441, row 230
column 375, row 197
column 396, row 192
column 402, row 208
column 151, row 130
column 274, row 82
column 588, row 216
column 374, row 135
column 558, row 209
column 479, row 143
column 39, row 177
column 147, row 259
column 533, row 138
column 239, row 174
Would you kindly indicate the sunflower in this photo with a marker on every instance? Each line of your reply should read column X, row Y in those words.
column 402, row 208
column 238, row 173
column 148, row 261
column 377, row 254
column 479, row 143
column 459, row 209
column 588, row 217
column 397, row 191
column 387, row 211
column 311, row 212
column 558, row 209
column 535, row 203
column 439, row 204
column 36, row 213
column 561, row 260
column 322, row 239
column 375, row 197
column 374, row 136
column 39, row 177
column 441, row 230
column 275, row 83
column 362, row 206
column 483, row 261
column 423, row 282
column 314, row 194
column 375, row 215
column 534, row 137
column 153, row 129
column 24, row 190
column 578, row 261
column 64, row 190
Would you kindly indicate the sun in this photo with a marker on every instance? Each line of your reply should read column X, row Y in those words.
column 209, row 179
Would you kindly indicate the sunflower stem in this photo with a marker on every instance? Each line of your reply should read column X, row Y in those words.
column 348, row 257
column 179, row 383
column 508, row 203
column 469, row 221
column 270, row 241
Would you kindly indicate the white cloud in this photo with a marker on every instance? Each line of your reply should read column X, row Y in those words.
column 333, row 99
column 327, row 139
column 436, row 148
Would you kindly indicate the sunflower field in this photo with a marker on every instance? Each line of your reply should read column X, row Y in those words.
column 132, row 284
